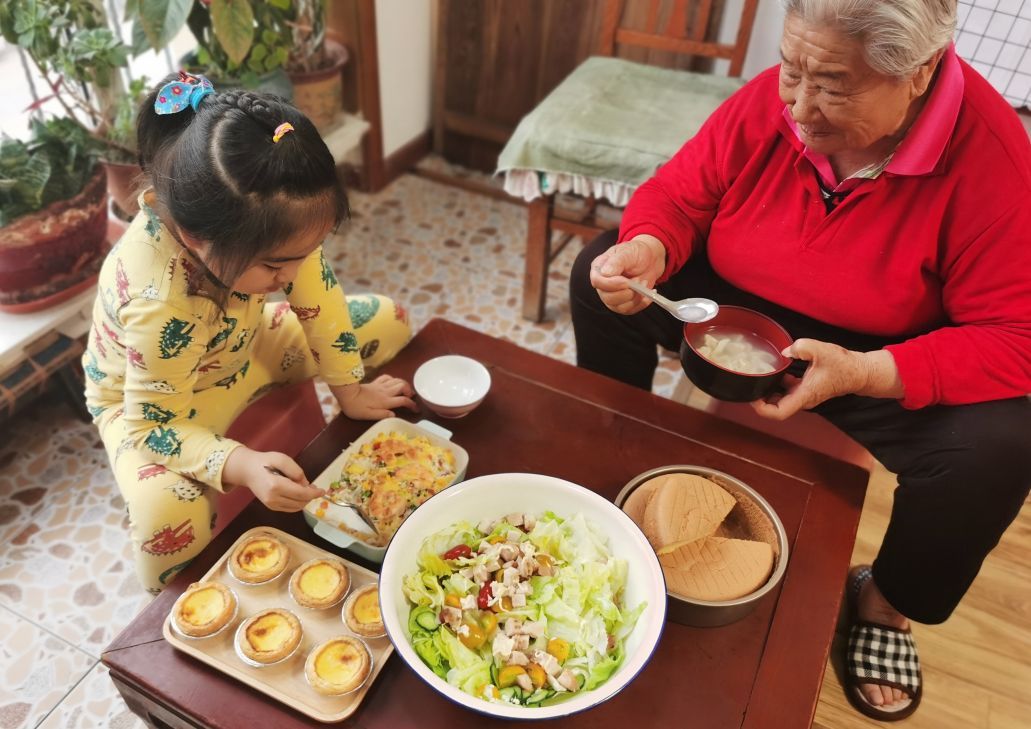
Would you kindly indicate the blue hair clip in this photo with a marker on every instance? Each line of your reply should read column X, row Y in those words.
column 176, row 95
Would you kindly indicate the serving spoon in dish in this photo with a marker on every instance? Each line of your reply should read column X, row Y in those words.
column 693, row 310
column 338, row 501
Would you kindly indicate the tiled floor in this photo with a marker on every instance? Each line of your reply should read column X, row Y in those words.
column 66, row 578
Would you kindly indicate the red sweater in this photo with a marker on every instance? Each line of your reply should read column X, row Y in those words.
column 936, row 251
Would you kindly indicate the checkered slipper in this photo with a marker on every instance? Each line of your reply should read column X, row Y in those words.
column 882, row 655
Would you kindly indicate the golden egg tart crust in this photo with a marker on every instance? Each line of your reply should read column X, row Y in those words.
column 338, row 666
column 258, row 559
column 269, row 636
column 362, row 614
column 204, row 609
column 320, row 583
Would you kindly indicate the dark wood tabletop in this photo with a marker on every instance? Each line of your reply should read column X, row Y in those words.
column 544, row 416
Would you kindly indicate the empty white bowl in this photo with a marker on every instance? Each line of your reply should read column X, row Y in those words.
column 452, row 385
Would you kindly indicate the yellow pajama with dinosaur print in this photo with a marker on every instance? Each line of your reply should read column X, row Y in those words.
column 168, row 370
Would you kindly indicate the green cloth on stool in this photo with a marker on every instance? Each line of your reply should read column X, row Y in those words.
column 614, row 120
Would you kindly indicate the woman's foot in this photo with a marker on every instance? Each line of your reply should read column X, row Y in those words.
column 872, row 607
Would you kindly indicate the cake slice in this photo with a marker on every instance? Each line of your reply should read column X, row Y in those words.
column 716, row 568
column 638, row 499
column 684, row 508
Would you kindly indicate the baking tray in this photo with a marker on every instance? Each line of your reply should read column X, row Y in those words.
column 327, row 523
column 284, row 682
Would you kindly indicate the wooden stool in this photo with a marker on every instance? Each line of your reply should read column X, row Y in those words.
column 284, row 420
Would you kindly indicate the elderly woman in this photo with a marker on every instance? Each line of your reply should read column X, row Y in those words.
column 873, row 195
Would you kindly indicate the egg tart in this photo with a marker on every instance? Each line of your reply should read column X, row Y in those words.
column 361, row 612
column 270, row 636
column 204, row 609
column 337, row 666
column 320, row 583
column 258, row 559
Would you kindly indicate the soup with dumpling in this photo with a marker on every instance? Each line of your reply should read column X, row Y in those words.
column 737, row 349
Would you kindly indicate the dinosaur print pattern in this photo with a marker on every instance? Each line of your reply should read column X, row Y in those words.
column 187, row 490
column 169, row 539
column 163, row 386
column 209, row 367
column 347, row 342
column 156, row 413
column 92, row 370
column 291, row 356
column 213, row 463
column 369, row 349
column 224, row 333
column 176, row 336
column 164, row 441
column 277, row 315
column 150, row 470
column 306, row 313
column 135, row 359
column 231, row 380
column 121, row 283
column 241, row 340
column 98, row 342
column 362, row 310
column 329, row 279
column 95, row 411
column 239, row 296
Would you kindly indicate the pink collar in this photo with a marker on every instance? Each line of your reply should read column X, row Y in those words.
column 923, row 146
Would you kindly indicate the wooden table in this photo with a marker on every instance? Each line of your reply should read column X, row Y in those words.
column 548, row 417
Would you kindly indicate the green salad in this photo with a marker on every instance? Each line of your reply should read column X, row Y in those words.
column 524, row 610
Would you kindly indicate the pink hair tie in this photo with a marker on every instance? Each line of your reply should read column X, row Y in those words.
column 281, row 131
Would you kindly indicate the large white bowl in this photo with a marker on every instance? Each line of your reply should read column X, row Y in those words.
column 505, row 493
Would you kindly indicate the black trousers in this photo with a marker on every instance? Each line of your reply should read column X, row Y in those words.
column 963, row 471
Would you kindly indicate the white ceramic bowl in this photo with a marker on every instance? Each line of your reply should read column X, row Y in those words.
column 451, row 385
column 503, row 493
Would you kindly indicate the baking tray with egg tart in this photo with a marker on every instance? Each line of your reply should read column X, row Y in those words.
column 269, row 614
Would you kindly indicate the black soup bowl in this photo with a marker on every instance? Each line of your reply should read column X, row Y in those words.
column 726, row 384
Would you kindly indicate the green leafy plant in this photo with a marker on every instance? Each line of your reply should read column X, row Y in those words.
column 55, row 164
column 71, row 46
column 241, row 38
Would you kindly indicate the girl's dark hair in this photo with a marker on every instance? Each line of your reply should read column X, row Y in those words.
column 219, row 176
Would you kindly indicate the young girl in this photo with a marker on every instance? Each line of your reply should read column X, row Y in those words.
column 243, row 191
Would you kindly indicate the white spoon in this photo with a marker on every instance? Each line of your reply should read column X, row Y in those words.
column 693, row 311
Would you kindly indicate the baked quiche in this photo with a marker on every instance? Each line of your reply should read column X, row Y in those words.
column 204, row 609
column 258, row 559
column 319, row 583
column 362, row 614
column 269, row 636
column 338, row 665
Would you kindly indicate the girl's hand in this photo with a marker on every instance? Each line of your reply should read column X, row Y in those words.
column 642, row 258
column 276, row 480
column 833, row 371
column 374, row 400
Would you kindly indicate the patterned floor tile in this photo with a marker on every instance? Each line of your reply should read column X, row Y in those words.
column 92, row 704
column 37, row 670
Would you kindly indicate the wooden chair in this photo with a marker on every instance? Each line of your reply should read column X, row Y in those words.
column 686, row 31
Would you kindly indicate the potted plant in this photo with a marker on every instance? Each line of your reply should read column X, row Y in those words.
column 78, row 57
column 240, row 43
column 53, row 215
column 315, row 64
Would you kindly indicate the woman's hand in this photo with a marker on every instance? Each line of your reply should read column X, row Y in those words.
column 374, row 400
column 833, row 371
column 276, row 480
column 642, row 258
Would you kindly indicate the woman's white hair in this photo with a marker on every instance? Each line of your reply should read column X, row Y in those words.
column 898, row 35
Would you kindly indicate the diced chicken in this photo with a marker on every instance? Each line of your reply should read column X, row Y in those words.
column 492, row 564
column 511, row 576
column 518, row 600
column 466, row 572
column 514, row 519
column 498, row 590
column 529, row 522
column 527, row 548
column 548, row 662
column 522, row 642
column 480, row 574
column 518, row 658
column 534, row 628
column 526, row 566
column 485, row 526
column 513, row 535
column 513, row 626
column 469, row 602
column 451, row 616
column 545, row 570
column 568, row 680
column 508, row 552
column 554, row 684
column 524, row 682
column 523, row 588
column 502, row 646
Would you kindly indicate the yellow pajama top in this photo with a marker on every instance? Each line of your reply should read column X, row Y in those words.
column 157, row 339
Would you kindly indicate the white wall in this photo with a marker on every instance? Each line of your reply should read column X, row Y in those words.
column 404, row 36
column 764, row 46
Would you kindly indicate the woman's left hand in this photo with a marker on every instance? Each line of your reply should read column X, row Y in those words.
column 374, row 400
column 833, row 371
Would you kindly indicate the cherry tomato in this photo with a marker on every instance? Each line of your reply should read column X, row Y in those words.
column 483, row 599
column 461, row 550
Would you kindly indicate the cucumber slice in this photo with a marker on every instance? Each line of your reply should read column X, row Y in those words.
column 428, row 620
